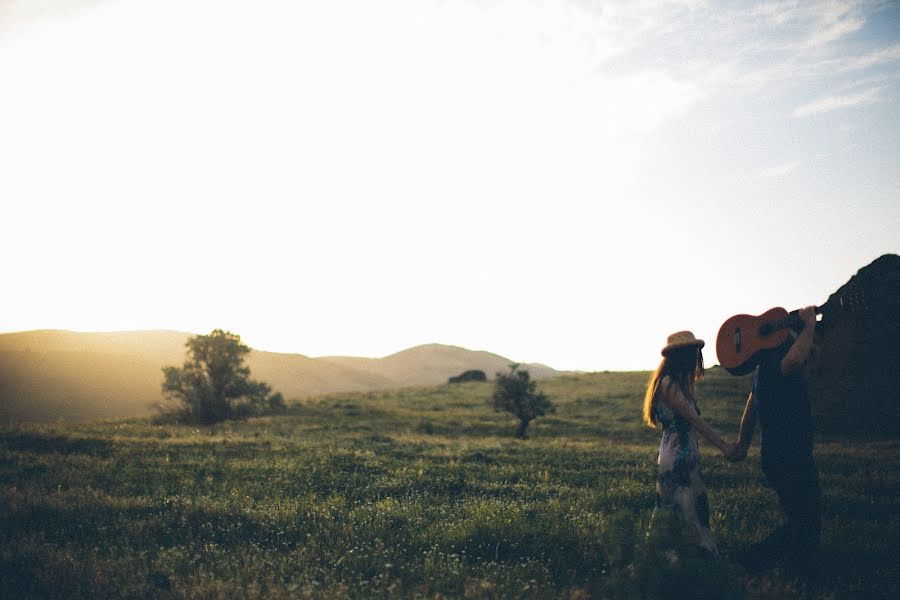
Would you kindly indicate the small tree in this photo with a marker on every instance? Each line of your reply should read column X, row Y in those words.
column 516, row 393
column 214, row 384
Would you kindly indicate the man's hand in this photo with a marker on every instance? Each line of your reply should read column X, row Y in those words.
column 799, row 352
column 808, row 316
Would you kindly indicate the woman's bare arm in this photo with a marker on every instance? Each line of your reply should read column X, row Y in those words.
column 673, row 398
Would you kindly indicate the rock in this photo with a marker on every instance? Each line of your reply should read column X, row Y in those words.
column 854, row 370
column 471, row 375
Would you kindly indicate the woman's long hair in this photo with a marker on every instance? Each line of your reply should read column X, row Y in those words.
column 684, row 366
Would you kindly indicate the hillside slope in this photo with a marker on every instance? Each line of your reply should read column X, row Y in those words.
column 52, row 374
column 431, row 364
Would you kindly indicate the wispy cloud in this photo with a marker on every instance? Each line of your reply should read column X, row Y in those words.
column 21, row 14
column 802, row 24
column 777, row 171
column 831, row 103
column 777, row 13
column 834, row 20
column 783, row 41
column 887, row 55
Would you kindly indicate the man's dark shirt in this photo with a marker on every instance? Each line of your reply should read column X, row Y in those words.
column 785, row 422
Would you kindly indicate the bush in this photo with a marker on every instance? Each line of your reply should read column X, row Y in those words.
column 516, row 393
column 214, row 384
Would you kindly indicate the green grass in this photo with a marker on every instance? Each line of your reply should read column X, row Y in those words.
column 421, row 492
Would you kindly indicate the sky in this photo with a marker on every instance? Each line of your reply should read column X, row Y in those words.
column 564, row 182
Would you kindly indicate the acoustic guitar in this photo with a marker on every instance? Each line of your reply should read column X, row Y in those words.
column 742, row 338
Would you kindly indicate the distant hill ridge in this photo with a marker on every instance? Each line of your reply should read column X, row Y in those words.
column 59, row 374
column 436, row 362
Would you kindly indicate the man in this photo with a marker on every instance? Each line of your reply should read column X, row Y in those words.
column 779, row 400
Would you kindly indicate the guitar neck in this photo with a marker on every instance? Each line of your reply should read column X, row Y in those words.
column 847, row 302
column 793, row 321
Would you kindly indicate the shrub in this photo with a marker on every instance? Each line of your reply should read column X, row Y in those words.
column 214, row 384
column 515, row 392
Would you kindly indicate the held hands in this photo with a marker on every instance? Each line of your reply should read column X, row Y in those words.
column 734, row 452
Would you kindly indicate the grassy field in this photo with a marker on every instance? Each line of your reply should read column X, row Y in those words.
column 421, row 492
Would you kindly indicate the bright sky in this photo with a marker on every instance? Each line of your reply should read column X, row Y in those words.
column 559, row 182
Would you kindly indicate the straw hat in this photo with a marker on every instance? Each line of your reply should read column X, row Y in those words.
column 682, row 339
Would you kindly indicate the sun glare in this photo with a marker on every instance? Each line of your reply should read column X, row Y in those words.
column 532, row 179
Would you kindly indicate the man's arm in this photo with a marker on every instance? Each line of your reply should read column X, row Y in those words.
column 799, row 351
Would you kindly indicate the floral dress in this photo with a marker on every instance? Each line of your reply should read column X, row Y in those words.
column 678, row 481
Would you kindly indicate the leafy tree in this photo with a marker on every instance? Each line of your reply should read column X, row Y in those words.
column 214, row 384
column 515, row 392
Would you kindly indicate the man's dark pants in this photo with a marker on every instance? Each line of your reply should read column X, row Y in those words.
column 798, row 539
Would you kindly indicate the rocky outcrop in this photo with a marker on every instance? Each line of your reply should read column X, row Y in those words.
column 854, row 371
column 470, row 375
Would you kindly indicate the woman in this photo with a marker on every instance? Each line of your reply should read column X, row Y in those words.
column 669, row 402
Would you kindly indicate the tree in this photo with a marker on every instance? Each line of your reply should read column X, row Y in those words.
column 516, row 393
column 214, row 384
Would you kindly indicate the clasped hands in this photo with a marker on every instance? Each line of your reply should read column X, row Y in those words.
column 735, row 452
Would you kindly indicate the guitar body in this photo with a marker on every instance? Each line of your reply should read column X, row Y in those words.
column 740, row 340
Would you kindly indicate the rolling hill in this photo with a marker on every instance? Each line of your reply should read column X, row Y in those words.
column 53, row 374
column 434, row 363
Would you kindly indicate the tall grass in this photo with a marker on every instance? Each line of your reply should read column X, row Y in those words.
column 421, row 492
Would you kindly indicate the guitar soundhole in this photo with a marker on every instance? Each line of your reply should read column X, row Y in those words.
column 737, row 340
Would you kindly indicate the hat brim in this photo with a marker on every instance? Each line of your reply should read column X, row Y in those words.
column 696, row 343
